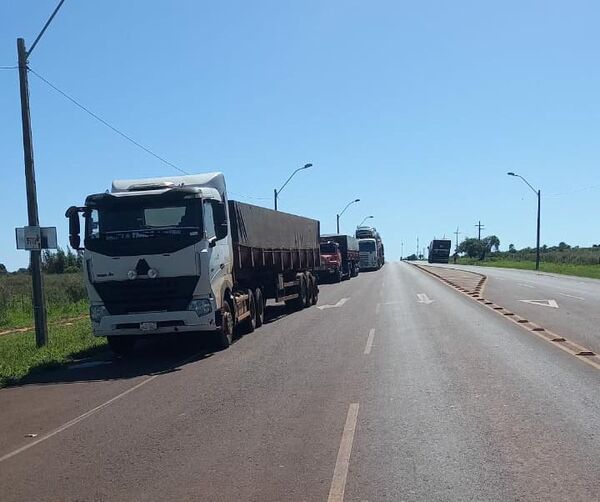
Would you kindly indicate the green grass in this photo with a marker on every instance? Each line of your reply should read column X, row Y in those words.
column 65, row 297
column 20, row 357
column 592, row 271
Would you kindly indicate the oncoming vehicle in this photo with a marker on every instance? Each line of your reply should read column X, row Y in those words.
column 439, row 251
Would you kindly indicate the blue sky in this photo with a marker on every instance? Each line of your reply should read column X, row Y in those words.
column 417, row 108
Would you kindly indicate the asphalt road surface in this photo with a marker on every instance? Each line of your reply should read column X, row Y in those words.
column 565, row 304
column 399, row 389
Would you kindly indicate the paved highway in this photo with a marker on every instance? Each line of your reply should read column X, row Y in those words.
column 399, row 389
column 565, row 304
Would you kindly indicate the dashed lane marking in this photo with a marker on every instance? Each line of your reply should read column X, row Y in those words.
column 369, row 341
column 340, row 473
column 337, row 305
column 572, row 296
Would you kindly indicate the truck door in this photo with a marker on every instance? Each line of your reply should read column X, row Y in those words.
column 218, row 262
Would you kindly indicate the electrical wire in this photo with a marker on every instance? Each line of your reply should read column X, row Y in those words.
column 8, row 67
column 105, row 123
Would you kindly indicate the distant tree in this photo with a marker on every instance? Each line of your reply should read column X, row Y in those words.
column 412, row 257
column 511, row 248
column 491, row 242
column 3, row 270
column 563, row 246
column 472, row 247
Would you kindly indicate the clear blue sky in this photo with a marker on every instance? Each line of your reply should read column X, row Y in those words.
column 417, row 108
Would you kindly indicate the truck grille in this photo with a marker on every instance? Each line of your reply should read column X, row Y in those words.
column 147, row 295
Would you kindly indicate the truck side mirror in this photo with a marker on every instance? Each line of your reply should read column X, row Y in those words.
column 74, row 227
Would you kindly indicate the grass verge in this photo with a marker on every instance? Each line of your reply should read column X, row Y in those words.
column 592, row 271
column 19, row 356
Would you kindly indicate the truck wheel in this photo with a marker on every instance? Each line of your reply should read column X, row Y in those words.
column 121, row 345
column 314, row 296
column 309, row 290
column 338, row 275
column 250, row 322
column 300, row 302
column 260, row 307
column 225, row 332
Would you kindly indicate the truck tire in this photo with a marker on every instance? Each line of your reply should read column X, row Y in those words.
column 224, row 335
column 260, row 307
column 121, row 345
column 309, row 290
column 249, row 324
column 314, row 296
column 338, row 275
column 299, row 302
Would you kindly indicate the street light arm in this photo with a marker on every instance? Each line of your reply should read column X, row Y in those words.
column 306, row 166
column 525, row 181
column 348, row 205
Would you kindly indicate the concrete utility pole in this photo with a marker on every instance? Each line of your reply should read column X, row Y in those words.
column 37, row 279
column 479, row 226
column 39, row 304
column 417, row 253
column 457, row 233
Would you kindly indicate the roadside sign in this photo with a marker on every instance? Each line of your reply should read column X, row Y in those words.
column 36, row 238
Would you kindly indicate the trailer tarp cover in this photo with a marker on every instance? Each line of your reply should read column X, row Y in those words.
column 346, row 242
column 259, row 227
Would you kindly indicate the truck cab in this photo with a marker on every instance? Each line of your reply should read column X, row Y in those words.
column 331, row 261
column 369, row 258
column 157, row 255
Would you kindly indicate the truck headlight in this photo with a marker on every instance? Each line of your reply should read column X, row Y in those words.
column 201, row 306
column 97, row 312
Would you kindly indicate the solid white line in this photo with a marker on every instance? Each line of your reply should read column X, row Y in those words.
column 525, row 285
column 572, row 296
column 87, row 414
column 369, row 341
column 338, row 483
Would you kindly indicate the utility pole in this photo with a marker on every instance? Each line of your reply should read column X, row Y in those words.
column 479, row 227
column 537, row 247
column 275, row 194
column 39, row 305
column 417, row 247
column 457, row 233
column 401, row 249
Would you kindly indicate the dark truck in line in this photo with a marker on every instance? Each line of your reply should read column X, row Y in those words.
column 339, row 257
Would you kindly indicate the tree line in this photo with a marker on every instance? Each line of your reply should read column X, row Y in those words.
column 53, row 262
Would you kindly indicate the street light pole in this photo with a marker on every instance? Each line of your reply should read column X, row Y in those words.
column 338, row 216
column 277, row 192
column 538, row 194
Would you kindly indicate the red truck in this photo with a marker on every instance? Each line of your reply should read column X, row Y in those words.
column 339, row 257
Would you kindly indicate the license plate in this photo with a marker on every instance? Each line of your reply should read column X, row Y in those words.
column 148, row 326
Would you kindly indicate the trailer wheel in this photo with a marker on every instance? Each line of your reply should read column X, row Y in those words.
column 260, row 307
column 300, row 302
column 338, row 276
column 225, row 332
column 121, row 345
column 250, row 322
column 309, row 290
column 314, row 290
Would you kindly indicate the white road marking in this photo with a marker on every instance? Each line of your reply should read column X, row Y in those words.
column 369, row 341
column 340, row 473
column 423, row 298
column 338, row 304
column 525, row 285
column 542, row 303
column 87, row 414
column 572, row 296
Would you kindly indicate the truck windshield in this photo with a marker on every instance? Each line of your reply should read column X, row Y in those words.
column 328, row 248
column 366, row 246
column 132, row 225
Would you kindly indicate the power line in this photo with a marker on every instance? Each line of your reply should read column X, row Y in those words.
column 104, row 122
column 8, row 67
column 235, row 194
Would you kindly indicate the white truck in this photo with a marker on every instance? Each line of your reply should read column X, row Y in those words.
column 173, row 255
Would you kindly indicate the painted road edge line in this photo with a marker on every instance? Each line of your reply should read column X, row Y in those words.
column 340, row 473
column 582, row 353
column 88, row 413
column 369, row 341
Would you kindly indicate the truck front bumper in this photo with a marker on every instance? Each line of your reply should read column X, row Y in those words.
column 151, row 323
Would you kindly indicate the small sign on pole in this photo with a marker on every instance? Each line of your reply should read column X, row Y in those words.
column 36, row 238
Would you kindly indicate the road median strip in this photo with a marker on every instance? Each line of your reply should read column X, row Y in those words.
column 474, row 290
